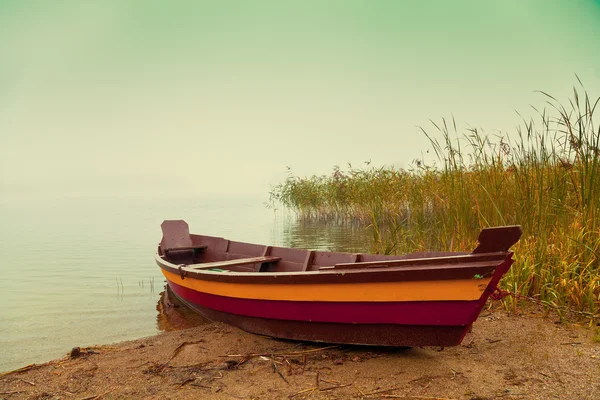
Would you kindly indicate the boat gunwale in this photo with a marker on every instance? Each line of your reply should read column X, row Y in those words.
column 437, row 271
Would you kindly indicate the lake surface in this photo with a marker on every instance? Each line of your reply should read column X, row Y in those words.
column 79, row 271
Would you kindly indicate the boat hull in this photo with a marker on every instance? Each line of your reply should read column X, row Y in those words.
column 406, row 323
column 445, row 313
column 374, row 334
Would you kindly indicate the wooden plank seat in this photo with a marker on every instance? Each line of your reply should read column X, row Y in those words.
column 239, row 261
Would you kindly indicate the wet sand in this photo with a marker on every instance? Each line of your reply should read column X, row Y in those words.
column 505, row 357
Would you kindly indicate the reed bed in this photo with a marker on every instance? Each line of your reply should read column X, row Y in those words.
column 544, row 177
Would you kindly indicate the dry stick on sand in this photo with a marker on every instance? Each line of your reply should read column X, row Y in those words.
column 396, row 396
column 426, row 377
column 289, row 366
column 317, row 383
column 360, row 391
column 178, row 349
column 277, row 369
column 35, row 366
column 380, row 392
column 318, row 387
column 312, row 389
column 97, row 396
column 84, row 350
column 334, row 387
column 24, row 369
column 294, row 353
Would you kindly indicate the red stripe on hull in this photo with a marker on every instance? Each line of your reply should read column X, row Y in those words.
column 360, row 334
column 438, row 313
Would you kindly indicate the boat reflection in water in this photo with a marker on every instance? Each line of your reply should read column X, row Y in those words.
column 173, row 315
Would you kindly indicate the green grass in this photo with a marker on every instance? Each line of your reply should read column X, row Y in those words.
column 544, row 177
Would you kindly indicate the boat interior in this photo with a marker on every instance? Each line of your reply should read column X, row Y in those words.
column 193, row 251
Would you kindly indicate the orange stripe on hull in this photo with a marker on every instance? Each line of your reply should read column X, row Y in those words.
column 464, row 289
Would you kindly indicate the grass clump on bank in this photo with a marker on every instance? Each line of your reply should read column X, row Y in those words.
column 545, row 178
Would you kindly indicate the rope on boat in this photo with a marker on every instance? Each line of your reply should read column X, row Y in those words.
column 500, row 294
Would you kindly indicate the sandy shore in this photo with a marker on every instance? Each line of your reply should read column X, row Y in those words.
column 505, row 357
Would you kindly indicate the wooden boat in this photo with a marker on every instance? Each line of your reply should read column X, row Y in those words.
column 420, row 299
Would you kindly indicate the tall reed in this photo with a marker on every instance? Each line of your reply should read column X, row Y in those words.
column 546, row 178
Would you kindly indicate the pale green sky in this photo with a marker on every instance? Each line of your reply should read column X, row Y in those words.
column 219, row 97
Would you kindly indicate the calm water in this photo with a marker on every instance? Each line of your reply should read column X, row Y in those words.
column 79, row 271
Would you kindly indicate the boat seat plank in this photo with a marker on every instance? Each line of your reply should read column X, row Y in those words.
column 419, row 261
column 239, row 261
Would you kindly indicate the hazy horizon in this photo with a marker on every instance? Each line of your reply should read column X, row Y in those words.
column 218, row 98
